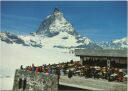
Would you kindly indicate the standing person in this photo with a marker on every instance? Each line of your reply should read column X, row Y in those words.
column 58, row 74
column 37, row 70
column 70, row 74
column 24, row 83
column 21, row 67
column 85, row 72
column 20, row 83
column 109, row 74
column 50, row 69
column 33, row 68
column 89, row 72
column 62, row 72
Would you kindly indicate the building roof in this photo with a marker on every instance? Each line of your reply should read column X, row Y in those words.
column 101, row 53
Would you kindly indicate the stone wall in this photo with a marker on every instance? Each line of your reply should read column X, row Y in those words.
column 34, row 81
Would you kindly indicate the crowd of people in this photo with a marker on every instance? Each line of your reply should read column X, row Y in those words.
column 74, row 68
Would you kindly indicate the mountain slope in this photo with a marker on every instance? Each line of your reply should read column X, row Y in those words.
column 10, row 38
column 62, row 40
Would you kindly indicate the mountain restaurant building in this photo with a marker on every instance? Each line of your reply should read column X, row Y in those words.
column 104, row 58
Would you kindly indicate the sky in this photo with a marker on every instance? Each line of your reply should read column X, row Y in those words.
column 97, row 20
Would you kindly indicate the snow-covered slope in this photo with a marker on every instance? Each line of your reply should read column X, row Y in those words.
column 63, row 40
column 10, row 38
column 14, row 55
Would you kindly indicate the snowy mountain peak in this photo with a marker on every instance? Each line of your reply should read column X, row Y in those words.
column 115, row 44
column 57, row 13
column 122, row 42
column 56, row 10
column 54, row 24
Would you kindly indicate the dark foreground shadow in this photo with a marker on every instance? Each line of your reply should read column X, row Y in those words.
column 64, row 88
column 68, row 88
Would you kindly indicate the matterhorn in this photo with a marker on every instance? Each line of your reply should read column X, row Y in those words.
column 57, row 32
column 54, row 24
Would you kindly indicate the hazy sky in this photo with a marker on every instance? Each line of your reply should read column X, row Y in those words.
column 99, row 21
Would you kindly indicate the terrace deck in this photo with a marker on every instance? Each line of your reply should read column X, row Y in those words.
column 92, row 84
